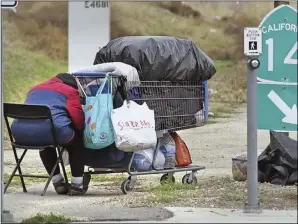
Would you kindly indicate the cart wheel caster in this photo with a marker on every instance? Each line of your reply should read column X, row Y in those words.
column 186, row 179
column 164, row 179
column 126, row 186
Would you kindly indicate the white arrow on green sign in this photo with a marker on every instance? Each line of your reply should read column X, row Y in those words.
column 278, row 63
column 277, row 107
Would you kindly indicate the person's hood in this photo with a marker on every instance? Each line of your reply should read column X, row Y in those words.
column 68, row 79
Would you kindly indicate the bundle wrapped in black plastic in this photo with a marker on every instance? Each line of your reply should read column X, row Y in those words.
column 279, row 160
column 159, row 58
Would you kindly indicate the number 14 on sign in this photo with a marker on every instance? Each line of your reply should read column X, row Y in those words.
column 287, row 60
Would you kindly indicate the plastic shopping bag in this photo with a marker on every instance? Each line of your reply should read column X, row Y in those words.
column 98, row 132
column 134, row 127
column 183, row 157
column 168, row 147
column 143, row 160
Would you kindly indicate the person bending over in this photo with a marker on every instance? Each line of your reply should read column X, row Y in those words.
column 61, row 94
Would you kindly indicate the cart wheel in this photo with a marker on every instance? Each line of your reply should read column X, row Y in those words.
column 186, row 179
column 125, row 186
column 164, row 179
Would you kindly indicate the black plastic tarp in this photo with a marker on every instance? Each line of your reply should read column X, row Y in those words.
column 279, row 160
column 159, row 58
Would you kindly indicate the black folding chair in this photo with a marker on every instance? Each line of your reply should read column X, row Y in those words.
column 31, row 112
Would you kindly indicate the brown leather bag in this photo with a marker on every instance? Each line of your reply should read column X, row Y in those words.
column 183, row 157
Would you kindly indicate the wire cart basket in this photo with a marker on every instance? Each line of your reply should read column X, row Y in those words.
column 177, row 106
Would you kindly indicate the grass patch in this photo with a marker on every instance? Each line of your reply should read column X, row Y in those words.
column 211, row 120
column 41, row 27
column 224, row 101
column 221, row 110
column 168, row 193
column 224, row 67
column 16, row 181
column 278, row 196
column 25, row 66
column 223, row 192
column 47, row 218
column 23, row 69
column 115, row 179
column 143, row 18
column 229, row 83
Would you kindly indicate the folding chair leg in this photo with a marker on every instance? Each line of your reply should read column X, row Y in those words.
column 18, row 161
column 52, row 172
column 60, row 152
column 49, row 179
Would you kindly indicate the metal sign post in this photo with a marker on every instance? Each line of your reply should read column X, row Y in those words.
column 252, row 49
column 6, row 216
column 252, row 135
column 2, row 137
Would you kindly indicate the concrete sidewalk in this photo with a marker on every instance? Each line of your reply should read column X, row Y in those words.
column 100, row 208
column 209, row 215
column 23, row 207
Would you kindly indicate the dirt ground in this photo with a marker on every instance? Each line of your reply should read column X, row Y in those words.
column 211, row 146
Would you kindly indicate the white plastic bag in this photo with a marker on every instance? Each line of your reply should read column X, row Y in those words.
column 134, row 127
column 143, row 160
column 168, row 148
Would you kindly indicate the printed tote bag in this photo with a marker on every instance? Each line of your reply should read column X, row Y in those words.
column 98, row 132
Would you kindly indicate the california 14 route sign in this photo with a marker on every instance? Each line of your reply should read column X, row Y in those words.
column 278, row 62
column 277, row 74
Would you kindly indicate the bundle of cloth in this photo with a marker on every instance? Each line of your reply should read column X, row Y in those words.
column 117, row 68
column 278, row 162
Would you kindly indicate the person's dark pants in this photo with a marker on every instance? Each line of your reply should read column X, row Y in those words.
column 75, row 151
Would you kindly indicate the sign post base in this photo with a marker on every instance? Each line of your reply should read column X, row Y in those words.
column 7, row 217
column 252, row 209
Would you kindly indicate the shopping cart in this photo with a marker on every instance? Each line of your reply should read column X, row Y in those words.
column 177, row 106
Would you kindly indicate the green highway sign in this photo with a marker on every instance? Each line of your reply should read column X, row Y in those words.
column 278, row 62
column 277, row 107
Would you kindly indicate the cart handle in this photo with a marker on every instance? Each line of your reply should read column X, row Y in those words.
column 95, row 74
